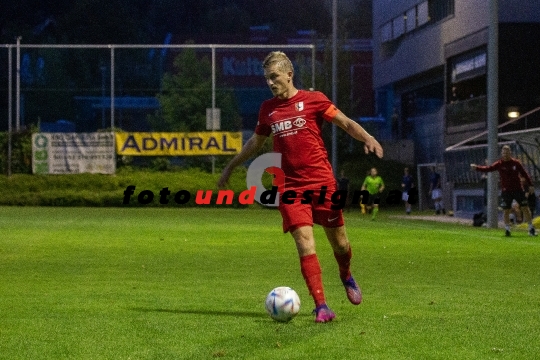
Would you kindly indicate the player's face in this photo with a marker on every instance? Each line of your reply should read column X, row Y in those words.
column 278, row 81
column 506, row 154
column 373, row 172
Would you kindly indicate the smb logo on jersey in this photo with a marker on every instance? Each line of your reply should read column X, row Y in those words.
column 285, row 125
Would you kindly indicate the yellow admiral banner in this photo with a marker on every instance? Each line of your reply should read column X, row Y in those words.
column 178, row 144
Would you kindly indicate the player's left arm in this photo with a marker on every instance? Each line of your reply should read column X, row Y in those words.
column 363, row 185
column 527, row 177
column 352, row 128
column 382, row 187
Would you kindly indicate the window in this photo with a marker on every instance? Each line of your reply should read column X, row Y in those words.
column 410, row 21
column 422, row 13
column 424, row 100
column 439, row 9
column 425, row 12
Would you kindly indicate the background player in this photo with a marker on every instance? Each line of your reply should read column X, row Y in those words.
column 435, row 190
column 407, row 183
column 374, row 185
column 510, row 170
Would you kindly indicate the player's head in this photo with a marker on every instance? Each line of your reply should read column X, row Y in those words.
column 506, row 152
column 373, row 172
column 278, row 71
column 280, row 60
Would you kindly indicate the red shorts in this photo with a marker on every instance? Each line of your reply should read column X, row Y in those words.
column 297, row 214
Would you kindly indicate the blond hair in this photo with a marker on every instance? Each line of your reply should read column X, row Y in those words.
column 280, row 59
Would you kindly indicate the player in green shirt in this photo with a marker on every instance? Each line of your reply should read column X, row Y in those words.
column 374, row 185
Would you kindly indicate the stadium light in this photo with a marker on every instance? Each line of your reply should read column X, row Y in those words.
column 512, row 112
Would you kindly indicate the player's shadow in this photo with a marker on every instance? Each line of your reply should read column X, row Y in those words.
column 253, row 314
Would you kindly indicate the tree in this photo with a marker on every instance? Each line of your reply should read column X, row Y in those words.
column 187, row 93
column 323, row 82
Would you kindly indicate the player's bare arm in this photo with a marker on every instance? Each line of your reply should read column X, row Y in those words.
column 249, row 150
column 352, row 128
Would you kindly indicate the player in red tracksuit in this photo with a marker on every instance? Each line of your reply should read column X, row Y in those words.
column 511, row 172
column 295, row 117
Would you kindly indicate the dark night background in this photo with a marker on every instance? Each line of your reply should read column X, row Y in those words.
column 148, row 21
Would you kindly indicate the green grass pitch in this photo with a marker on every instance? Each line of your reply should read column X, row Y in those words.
column 158, row 283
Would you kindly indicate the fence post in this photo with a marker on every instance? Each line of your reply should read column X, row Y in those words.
column 10, row 106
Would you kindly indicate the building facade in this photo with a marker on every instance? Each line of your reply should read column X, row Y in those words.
column 430, row 68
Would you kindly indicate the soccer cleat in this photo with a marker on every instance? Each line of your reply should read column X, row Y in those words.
column 532, row 232
column 323, row 314
column 507, row 232
column 353, row 291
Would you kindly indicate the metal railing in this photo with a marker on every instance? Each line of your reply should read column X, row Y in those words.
column 15, row 103
column 112, row 48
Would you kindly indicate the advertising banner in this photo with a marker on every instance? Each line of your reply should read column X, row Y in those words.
column 178, row 144
column 73, row 153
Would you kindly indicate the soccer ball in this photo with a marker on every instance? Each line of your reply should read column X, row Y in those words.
column 282, row 304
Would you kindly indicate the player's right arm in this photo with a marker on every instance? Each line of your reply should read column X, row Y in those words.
column 486, row 168
column 248, row 150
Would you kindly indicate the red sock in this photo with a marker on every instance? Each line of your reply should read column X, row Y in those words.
column 344, row 263
column 311, row 270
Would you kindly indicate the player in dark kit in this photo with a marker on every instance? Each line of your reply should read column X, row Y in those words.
column 295, row 118
column 510, row 170
column 407, row 183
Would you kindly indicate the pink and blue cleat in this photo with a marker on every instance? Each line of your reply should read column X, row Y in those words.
column 353, row 291
column 323, row 314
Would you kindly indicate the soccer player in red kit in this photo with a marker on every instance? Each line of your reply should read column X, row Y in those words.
column 295, row 118
column 510, row 171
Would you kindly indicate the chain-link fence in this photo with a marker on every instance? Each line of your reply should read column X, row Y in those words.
column 87, row 88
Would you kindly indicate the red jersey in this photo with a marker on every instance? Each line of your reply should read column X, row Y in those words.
column 296, row 124
column 509, row 172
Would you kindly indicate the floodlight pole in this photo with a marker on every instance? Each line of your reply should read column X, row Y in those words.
column 112, row 86
column 213, row 101
column 18, row 86
column 10, row 107
column 213, row 78
column 313, row 50
column 103, row 69
column 492, row 111
column 334, row 82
